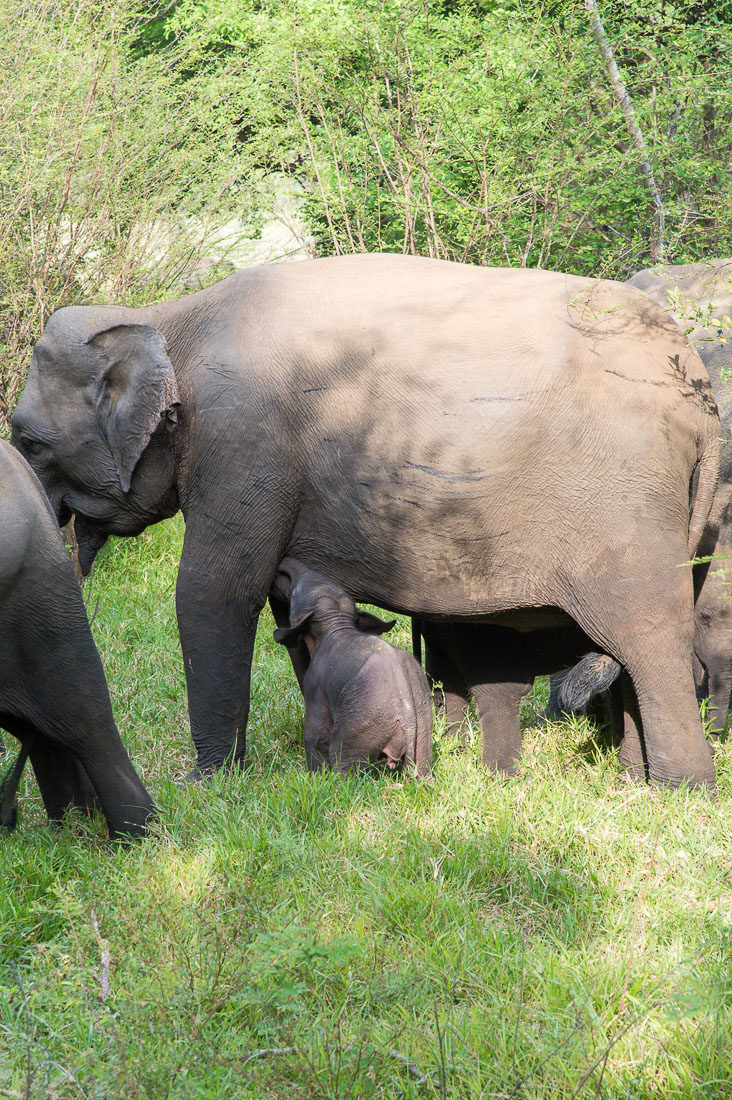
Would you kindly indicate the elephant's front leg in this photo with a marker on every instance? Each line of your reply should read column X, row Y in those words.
column 318, row 727
column 493, row 664
column 217, row 639
column 218, row 609
column 499, row 704
column 450, row 692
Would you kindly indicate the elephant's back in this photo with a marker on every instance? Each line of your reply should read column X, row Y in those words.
column 340, row 338
column 20, row 512
column 693, row 294
column 427, row 322
column 25, row 515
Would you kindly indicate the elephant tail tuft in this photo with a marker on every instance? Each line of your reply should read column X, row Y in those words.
column 573, row 690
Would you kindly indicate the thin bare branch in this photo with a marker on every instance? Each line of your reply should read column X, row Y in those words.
column 656, row 244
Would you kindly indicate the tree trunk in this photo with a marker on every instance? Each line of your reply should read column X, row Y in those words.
column 656, row 244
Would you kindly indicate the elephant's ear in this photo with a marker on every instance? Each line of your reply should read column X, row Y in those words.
column 290, row 635
column 372, row 624
column 136, row 390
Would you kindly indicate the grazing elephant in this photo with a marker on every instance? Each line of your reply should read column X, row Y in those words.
column 53, row 695
column 448, row 441
column 364, row 699
column 694, row 294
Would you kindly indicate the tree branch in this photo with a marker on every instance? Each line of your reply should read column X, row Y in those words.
column 656, row 244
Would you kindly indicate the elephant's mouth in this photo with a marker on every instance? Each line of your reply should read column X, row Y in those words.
column 392, row 762
column 394, row 752
column 90, row 540
column 63, row 513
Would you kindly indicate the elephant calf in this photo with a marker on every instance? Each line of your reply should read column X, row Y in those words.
column 364, row 699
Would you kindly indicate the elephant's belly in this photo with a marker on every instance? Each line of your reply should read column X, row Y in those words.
column 466, row 580
column 435, row 549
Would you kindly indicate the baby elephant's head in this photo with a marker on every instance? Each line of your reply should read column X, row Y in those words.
column 318, row 607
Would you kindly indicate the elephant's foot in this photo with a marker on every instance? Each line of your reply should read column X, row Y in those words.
column 203, row 774
column 698, row 781
column 505, row 768
column 199, row 777
column 633, row 775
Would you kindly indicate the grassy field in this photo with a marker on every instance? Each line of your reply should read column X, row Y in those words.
column 291, row 935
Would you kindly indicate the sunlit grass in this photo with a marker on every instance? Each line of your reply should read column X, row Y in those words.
column 293, row 935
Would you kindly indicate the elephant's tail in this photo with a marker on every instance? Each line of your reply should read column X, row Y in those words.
column 703, row 485
column 571, row 691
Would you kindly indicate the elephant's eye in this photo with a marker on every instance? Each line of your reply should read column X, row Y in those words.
column 32, row 447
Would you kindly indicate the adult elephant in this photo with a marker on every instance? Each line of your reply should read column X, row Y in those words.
column 694, row 295
column 439, row 439
column 53, row 695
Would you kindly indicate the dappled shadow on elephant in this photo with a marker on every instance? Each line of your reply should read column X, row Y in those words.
column 447, row 441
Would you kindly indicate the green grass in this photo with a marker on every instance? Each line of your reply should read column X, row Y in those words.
column 293, row 935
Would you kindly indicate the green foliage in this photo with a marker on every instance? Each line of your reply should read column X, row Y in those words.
column 292, row 935
column 104, row 160
column 484, row 132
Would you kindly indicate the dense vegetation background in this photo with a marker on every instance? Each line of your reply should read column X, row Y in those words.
column 479, row 131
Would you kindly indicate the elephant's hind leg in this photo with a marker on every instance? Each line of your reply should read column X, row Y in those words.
column 649, row 630
column 631, row 751
column 62, row 780
column 451, row 693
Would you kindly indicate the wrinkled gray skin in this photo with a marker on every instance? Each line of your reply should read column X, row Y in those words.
column 704, row 288
column 53, row 695
column 406, row 426
column 365, row 700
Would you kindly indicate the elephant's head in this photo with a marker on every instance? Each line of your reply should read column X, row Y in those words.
column 318, row 607
column 96, row 422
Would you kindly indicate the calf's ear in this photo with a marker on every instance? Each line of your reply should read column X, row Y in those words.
column 136, row 390
column 372, row 624
column 290, row 635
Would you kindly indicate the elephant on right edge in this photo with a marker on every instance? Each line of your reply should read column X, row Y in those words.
column 694, row 295
column 53, row 694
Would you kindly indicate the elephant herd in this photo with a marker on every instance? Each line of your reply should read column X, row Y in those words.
column 523, row 461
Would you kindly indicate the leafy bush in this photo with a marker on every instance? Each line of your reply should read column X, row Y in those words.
column 483, row 131
column 106, row 156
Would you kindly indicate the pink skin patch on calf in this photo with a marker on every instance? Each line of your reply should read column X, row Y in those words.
column 391, row 758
